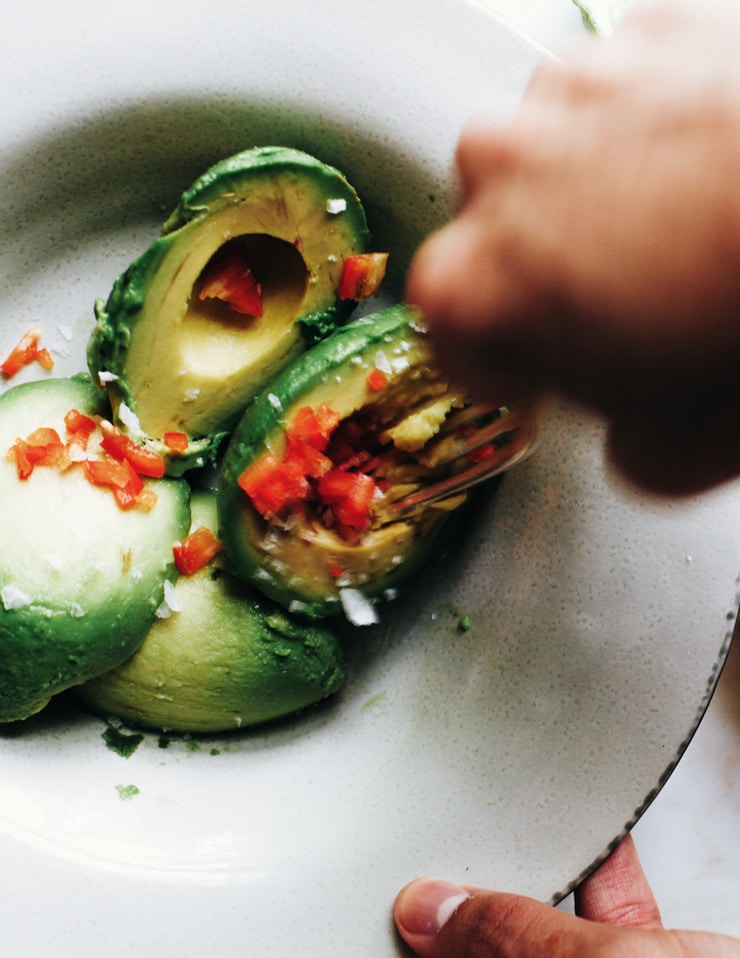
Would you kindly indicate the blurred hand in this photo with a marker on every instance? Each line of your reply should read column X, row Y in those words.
column 618, row 918
column 597, row 249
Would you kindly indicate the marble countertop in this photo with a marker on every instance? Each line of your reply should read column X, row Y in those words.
column 689, row 838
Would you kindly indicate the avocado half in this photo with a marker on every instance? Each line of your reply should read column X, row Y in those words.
column 376, row 381
column 81, row 578
column 227, row 659
column 177, row 361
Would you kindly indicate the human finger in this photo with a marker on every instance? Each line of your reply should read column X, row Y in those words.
column 440, row 920
column 618, row 893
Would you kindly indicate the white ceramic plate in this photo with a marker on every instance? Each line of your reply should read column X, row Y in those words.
column 510, row 755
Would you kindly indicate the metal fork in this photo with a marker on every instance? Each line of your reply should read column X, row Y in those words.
column 482, row 442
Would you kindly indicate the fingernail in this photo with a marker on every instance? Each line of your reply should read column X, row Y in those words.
column 427, row 904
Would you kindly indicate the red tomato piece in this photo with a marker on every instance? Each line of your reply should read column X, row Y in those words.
column 23, row 463
column 313, row 426
column 44, row 358
column 23, row 353
column 376, row 380
column 362, row 275
column 350, row 495
column 229, row 279
column 75, row 421
column 195, row 550
column 113, row 473
column 42, row 447
column 45, row 439
column 176, row 441
column 482, row 452
column 119, row 476
column 102, row 472
column 116, row 444
column 311, row 462
column 272, row 484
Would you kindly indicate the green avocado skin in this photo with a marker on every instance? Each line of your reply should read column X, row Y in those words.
column 93, row 575
column 264, row 419
column 226, row 178
column 228, row 659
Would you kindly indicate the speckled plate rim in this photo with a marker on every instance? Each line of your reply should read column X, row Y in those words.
column 712, row 681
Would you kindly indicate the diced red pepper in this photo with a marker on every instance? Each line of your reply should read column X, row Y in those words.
column 311, row 469
column 80, row 427
column 482, row 452
column 120, row 473
column 42, row 447
column 362, row 275
column 350, row 495
column 308, row 435
column 376, row 380
column 272, row 484
column 196, row 550
column 45, row 438
column 25, row 352
column 313, row 426
column 176, row 441
column 44, row 358
column 311, row 462
column 75, row 421
column 229, row 279
column 122, row 447
column 113, row 473
column 119, row 476
column 23, row 464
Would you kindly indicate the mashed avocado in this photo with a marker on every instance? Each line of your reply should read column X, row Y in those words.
column 313, row 464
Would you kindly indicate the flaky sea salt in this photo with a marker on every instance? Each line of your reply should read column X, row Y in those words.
column 128, row 417
column 13, row 597
column 170, row 603
column 171, row 597
column 358, row 609
column 382, row 362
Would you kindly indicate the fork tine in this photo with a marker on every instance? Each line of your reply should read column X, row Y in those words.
column 467, row 431
column 518, row 424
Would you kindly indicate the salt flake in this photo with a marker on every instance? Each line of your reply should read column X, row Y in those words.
column 357, row 607
column 14, row 598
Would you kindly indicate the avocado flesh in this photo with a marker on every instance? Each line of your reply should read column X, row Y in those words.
column 228, row 659
column 182, row 364
column 83, row 579
column 298, row 562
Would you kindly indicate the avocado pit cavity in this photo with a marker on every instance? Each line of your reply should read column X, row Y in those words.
column 217, row 338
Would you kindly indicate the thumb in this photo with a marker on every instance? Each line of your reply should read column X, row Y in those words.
column 440, row 920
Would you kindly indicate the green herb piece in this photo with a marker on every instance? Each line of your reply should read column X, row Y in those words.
column 122, row 743
column 127, row 792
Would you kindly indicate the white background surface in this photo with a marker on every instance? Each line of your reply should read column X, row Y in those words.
column 689, row 839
